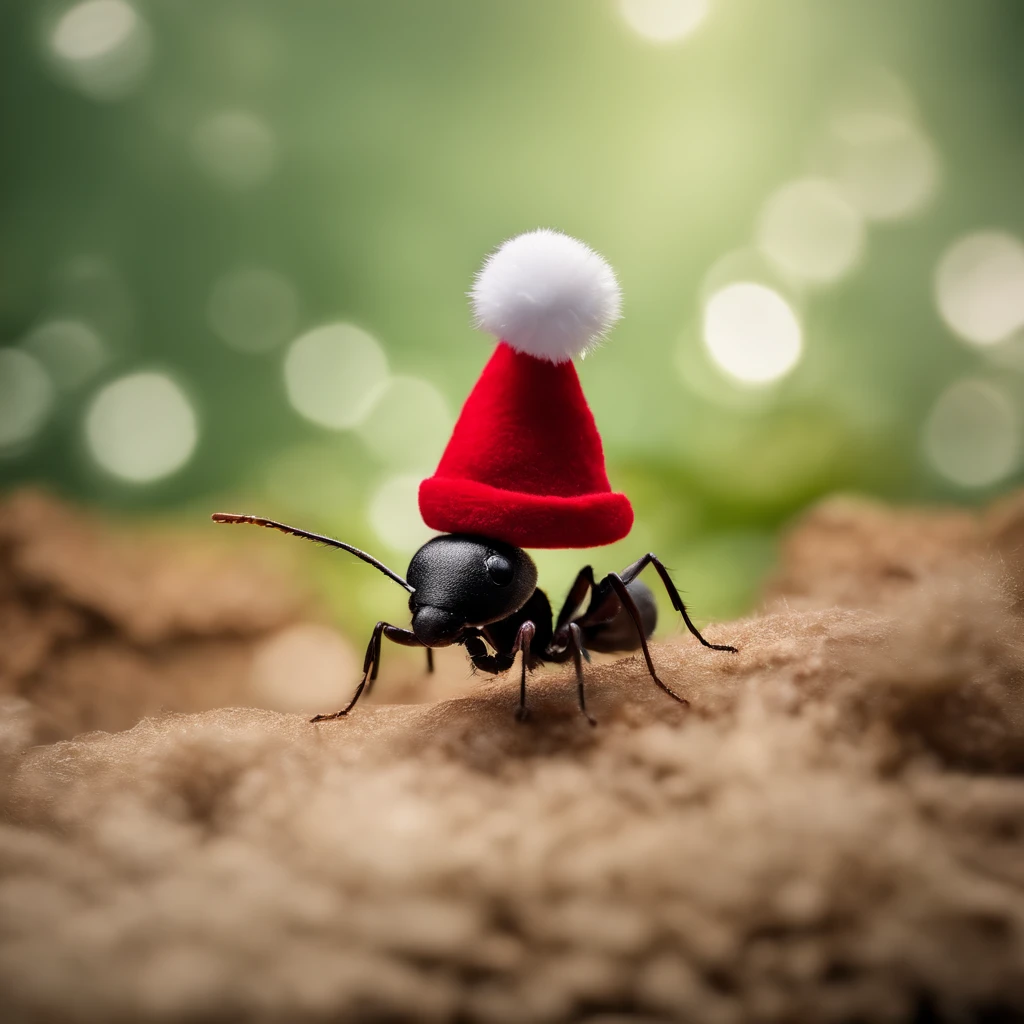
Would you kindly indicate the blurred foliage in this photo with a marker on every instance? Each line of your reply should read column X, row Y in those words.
column 367, row 154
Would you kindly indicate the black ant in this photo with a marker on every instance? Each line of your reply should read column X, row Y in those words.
column 482, row 593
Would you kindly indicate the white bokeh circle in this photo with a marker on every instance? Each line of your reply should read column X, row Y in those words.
column 979, row 286
column 141, row 427
column 810, row 231
column 26, row 397
column 972, row 434
column 752, row 333
column 335, row 374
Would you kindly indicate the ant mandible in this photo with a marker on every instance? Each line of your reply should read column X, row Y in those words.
column 524, row 468
column 475, row 592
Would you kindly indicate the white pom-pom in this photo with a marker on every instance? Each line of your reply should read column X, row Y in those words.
column 547, row 295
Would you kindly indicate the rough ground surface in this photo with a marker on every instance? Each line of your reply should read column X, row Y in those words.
column 833, row 832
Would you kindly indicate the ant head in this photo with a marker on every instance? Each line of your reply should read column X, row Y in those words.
column 461, row 581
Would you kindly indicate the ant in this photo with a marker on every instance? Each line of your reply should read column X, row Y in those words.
column 482, row 594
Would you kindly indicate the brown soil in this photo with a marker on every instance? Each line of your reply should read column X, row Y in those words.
column 833, row 832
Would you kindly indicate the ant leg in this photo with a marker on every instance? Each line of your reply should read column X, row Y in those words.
column 584, row 581
column 492, row 663
column 576, row 644
column 502, row 662
column 523, row 640
column 397, row 636
column 430, row 660
column 368, row 662
column 631, row 573
column 371, row 663
column 616, row 583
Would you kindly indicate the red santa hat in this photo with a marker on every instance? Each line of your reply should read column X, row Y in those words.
column 525, row 463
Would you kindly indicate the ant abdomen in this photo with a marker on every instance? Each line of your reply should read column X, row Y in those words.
column 619, row 634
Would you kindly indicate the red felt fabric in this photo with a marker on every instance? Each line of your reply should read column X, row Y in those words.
column 525, row 462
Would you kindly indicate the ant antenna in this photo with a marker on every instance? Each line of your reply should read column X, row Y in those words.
column 317, row 538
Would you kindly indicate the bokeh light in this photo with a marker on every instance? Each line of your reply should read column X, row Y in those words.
column 26, row 397
column 752, row 333
column 884, row 163
column 304, row 669
column 71, row 351
column 409, row 427
column 972, row 435
column 394, row 513
column 141, row 427
column 809, row 231
column 94, row 28
column 979, row 286
column 702, row 378
column 236, row 148
column 253, row 309
column 664, row 21
column 102, row 46
column 335, row 374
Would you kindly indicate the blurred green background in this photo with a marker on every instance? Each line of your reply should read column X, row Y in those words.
column 814, row 208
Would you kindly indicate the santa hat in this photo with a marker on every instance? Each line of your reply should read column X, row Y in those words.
column 524, row 463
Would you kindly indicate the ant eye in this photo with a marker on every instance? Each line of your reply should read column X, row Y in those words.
column 499, row 569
